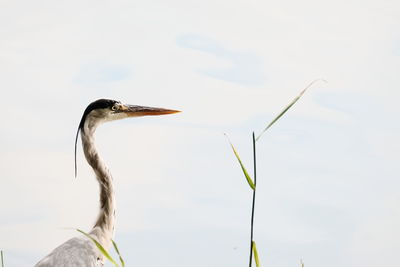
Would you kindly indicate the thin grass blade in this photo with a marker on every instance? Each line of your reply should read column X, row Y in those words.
column 100, row 247
column 119, row 255
column 246, row 174
column 287, row 108
column 2, row 262
column 256, row 258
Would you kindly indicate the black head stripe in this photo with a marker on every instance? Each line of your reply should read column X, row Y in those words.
column 98, row 104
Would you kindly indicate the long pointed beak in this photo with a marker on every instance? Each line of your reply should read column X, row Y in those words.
column 137, row 111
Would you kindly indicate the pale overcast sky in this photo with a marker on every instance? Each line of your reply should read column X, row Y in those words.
column 328, row 181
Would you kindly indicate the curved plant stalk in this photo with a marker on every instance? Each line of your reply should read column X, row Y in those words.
column 253, row 183
column 119, row 255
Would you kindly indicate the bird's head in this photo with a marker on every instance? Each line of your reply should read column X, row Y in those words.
column 103, row 110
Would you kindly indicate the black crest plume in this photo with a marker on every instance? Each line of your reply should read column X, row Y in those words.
column 98, row 104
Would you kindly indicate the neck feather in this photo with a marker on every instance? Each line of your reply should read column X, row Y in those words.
column 106, row 218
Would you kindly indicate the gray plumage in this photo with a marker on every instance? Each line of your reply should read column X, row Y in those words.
column 81, row 251
column 78, row 251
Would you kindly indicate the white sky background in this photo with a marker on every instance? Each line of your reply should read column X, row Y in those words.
column 328, row 172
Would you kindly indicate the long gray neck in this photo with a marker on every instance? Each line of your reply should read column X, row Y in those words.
column 104, row 226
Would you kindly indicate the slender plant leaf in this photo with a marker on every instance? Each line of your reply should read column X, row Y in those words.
column 246, row 174
column 256, row 258
column 2, row 262
column 100, row 247
column 287, row 107
column 119, row 255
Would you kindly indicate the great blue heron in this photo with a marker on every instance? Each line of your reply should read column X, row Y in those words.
column 81, row 251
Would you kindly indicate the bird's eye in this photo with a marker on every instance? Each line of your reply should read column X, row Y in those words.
column 115, row 107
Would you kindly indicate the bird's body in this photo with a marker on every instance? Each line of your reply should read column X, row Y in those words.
column 78, row 251
column 81, row 251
